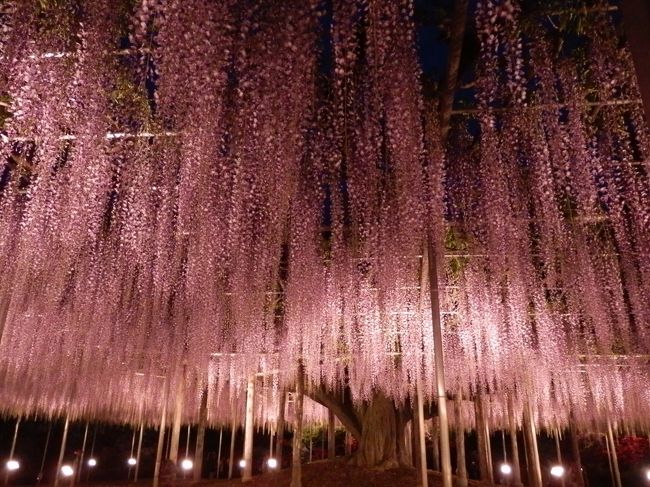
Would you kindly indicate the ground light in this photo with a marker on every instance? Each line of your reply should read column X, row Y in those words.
column 92, row 462
column 13, row 465
column 131, row 461
column 242, row 463
column 272, row 463
column 505, row 469
column 557, row 471
column 187, row 464
column 647, row 474
column 67, row 471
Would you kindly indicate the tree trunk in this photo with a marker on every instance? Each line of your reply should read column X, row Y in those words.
column 378, row 445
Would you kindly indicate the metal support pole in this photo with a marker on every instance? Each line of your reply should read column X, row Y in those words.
column 232, row 449
column 439, row 363
column 331, row 434
column 280, row 428
column 200, row 436
column 219, row 452
column 39, row 479
column 575, row 447
column 137, row 457
column 461, row 465
column 296, row 467
column 423, row 479
column 187, row 440
column 558, row 452
column 514, row 447
column 530, row 436
column 83, row 453
column 176, row 424
column 161, row 437
column 61, row 451
column 13, row 449
column 612, row 450
column 247, row 474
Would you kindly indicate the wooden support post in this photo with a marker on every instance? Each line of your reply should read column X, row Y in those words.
column 247, row 473
column 575, row 447
column 59, row 463
column 422, row 478
column 636, row 18
column 232, row 448
column 461, row 465
column 138, row 454
column 614, row 456
column 296, row 467
column 200, row 436
column 279, row 434
column 530, row 437
column 161, row 435
column 512, row 425
column 331, row 434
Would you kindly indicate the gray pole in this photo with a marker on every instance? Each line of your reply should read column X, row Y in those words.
column 422, row 478
column 530, row 437
column 161, row 435
column 516, row 467
column 232, row 449
column 461, row 467
column 137, row 458
column 280, row 428
column 248, row 431
column 83, row 453
column 39, row 479
column 296, row 467
column 575, row 447
column 200, row 436
column 612, row 450
column 219, row 451
column 439, row 364
column 61, row 452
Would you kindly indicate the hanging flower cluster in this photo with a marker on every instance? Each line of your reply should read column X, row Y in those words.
column 200, row 192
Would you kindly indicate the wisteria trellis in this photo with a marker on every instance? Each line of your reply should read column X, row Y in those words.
column 260, row 194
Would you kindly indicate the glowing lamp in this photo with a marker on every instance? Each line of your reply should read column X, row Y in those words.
column 187, row 464
column 131, row 461
column 242, row 463
column 557, row 471
column 92, row 462
column 67, row 471
column 647, row 474
column 13, row 465
column 505, row 469
column 272, row 463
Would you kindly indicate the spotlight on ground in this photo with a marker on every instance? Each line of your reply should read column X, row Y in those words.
column 272, row 463
column 647, row 474
column 92, row 462
column 557, row 471
column 67, row 471
column 13, row 465
column 505, row 469
column 242, row 463
column 187, row 464
column 131, row 461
